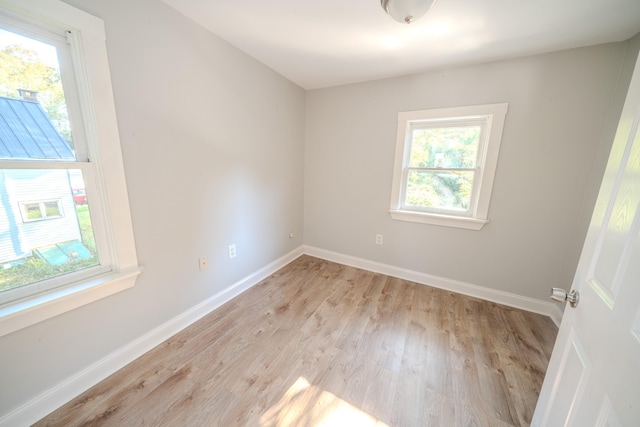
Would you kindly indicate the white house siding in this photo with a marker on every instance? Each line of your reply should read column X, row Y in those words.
column 20, row 237
column 11, row 242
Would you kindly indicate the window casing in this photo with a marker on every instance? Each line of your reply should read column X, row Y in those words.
column 80, row 39
column 445, row 163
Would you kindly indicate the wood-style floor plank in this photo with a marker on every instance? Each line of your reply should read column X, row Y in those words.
column 318, row 343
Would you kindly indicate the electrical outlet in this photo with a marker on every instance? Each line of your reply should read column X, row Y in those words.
column 378, row 239
column 203, row 263
column 232, row 251
column 291, row 235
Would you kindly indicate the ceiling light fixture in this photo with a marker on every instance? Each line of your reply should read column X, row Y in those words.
column 406, row 11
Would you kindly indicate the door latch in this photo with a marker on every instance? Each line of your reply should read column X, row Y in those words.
column 560, row 295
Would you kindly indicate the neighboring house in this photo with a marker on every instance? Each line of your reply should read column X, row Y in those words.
column 37, row 205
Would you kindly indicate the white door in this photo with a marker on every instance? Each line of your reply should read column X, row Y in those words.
column 594, row 372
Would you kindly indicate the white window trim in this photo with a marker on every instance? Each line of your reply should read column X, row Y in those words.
column 100, row 125
column 477, row 217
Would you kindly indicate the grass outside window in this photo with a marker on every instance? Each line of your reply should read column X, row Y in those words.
column 34, row 269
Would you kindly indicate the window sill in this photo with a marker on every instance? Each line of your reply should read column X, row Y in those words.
column 26, row 312
column 435, row 219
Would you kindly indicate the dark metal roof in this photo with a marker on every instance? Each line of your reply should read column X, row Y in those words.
column 26, row 132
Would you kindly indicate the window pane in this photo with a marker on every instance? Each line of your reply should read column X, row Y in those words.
column 51, row 209
column 447, row 147
column 450, row 190
column 33, row 109
column 33, row 210
column 57, row 236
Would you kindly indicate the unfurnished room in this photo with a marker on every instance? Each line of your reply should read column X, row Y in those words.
column 340, row 213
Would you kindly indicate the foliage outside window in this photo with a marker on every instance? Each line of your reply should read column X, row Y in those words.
column 24, row 68
column 445, row 163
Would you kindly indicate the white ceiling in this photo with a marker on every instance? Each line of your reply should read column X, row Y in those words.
column 322, row 43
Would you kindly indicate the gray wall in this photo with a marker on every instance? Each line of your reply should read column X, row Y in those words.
column 214, row 153
column 556, row 136
column 213, row 150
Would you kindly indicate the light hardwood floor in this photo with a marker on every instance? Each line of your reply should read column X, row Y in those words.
column 319, row 343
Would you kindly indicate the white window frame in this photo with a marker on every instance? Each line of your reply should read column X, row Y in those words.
column 102, row 168
column 43, row 210
column 491, row 117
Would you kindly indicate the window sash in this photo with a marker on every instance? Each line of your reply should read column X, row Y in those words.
column 443, row 169
column 70, row 62
column 56, row 282
column 437, row 210
column 450, row 122
column 67, row 49
column 480, row 121
column 100, row 232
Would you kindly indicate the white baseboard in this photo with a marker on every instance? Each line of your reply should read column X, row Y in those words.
column 512, row 300
column 52, row 399
column 556, row 315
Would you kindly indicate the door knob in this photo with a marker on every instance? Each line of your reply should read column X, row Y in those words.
column 559, row 294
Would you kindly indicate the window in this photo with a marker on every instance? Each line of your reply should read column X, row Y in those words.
column 59, row 158
column 40, row 141
column 34, row 211
column 445, row 163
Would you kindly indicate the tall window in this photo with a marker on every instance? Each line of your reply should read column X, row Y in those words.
column 43, row 156
column 445, row 163
column 63, row 242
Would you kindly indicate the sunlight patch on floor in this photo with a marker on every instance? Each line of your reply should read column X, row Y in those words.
column 310, row 406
